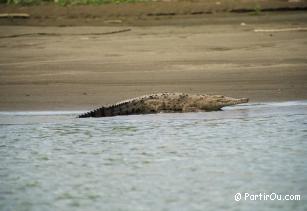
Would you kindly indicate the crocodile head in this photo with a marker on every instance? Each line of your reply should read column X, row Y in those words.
column 222, row 101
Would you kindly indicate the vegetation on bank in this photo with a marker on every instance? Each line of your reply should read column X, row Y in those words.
column 68, row 2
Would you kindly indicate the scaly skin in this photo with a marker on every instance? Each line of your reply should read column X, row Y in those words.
column 165, row 102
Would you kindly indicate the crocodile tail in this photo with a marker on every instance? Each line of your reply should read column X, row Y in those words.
column 95, row 113
column 85, row 115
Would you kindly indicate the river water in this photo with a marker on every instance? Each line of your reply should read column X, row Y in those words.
column 192, row 161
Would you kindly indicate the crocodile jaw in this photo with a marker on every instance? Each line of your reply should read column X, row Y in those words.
column 228, row 101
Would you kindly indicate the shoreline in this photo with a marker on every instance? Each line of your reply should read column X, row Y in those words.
column 51, row 112
column 48, row 110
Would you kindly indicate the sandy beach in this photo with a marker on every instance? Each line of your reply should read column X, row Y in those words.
column 262, row 57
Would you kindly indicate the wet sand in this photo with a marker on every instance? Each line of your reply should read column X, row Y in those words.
column 81, row 67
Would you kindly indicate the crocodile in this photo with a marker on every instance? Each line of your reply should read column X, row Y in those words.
column 165, row 102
